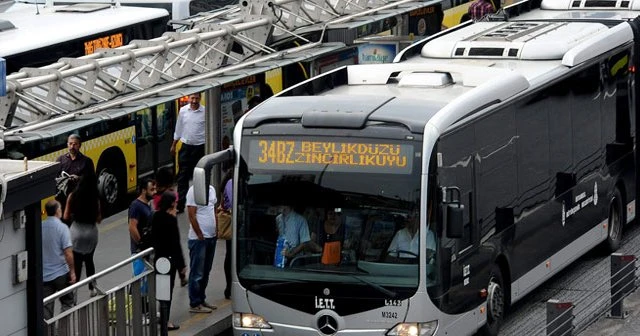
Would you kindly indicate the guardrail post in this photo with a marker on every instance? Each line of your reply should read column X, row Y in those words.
column 559, row 318
column 622, row 282
column 163, row 291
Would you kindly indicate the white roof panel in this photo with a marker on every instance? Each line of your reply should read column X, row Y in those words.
column 50, row 27
column 545, row 50
column 590, row 4
column 515, row 40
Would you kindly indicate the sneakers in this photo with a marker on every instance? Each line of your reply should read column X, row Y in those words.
column 208, row 305
column 200, row 309
column 93, row 292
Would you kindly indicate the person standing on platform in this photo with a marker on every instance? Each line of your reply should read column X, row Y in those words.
column 190, row 130
column 58, row 270
column 164, row 182
column 139, row 220
column 226, row 204
column 165, row 239
column 202, row 248
column 75, row 165
column 83, row 211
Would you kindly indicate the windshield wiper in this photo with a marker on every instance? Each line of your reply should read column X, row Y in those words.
column 274, row 284
column 317, row 270
column 379, row 288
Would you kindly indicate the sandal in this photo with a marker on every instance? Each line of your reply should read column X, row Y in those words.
column 173, row 327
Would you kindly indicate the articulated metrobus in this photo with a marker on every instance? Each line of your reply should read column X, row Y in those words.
column 33, row 35
column 511, row 142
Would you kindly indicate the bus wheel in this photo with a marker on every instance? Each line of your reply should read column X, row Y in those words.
column 616, row 221
column 108, row 186
column 495, row 303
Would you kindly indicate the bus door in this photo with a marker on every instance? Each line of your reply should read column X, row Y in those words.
column 165, row 124
column 154, row 135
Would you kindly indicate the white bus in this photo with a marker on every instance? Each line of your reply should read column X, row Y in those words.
column 500, row 153
column 34, row 35
column 179, row 9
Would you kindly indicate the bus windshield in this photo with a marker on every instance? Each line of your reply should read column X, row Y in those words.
column 315, row 210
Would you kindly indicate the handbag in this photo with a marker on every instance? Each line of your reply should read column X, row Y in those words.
column 223, row 224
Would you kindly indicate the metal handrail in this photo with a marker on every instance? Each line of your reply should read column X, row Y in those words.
column 94, row 277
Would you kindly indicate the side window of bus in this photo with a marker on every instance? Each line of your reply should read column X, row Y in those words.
column 144, row 122
column 618, row 122
column 587, row 99
column 144, row 143
column 457, row 150
column 495, row 166
column 532, row 122
column 560, row 137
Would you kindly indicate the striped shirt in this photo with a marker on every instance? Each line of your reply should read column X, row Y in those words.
column 479, row 9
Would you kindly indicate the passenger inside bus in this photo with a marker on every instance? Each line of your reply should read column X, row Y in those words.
column 329, row 237
column 295, row 230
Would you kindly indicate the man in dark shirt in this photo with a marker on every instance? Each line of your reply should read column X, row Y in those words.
column 140, row 229
column 75, row 164
column 140, row 215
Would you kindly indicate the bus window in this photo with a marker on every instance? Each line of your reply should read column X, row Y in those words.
column 144, row 140
column 165, row 121
column 458, row 154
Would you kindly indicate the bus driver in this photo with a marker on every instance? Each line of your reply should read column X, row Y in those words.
column 405, row 243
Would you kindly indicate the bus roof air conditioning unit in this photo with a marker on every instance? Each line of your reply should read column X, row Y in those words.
column 425, row 79
column 512, row 40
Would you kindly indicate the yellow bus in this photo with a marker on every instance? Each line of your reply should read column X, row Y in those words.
column 133, row 140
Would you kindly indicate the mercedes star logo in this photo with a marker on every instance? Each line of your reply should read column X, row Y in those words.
column 327, row 324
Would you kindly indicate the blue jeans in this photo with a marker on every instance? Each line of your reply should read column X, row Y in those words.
column 138, row 268
column 201, row 254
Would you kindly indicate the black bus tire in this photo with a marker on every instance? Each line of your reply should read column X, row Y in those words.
column 109, row 186
column 496, row 305
column 615, row 221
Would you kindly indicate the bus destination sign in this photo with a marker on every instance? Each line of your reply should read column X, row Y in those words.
column 389, row 158
column 107, row 42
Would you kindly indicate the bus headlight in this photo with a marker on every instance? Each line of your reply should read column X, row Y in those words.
column 414, row 329
column 243, row 320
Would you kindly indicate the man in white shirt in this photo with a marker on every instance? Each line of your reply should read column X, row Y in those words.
column 406, row 242
column 190, row 130
column 202, row 248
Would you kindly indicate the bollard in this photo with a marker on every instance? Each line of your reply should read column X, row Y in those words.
column 622, row 282
column 163, row 292
column 559, row 318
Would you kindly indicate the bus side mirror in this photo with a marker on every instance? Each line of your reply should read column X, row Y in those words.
column 202, row 174
column 454, row 220
column 454, row 210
